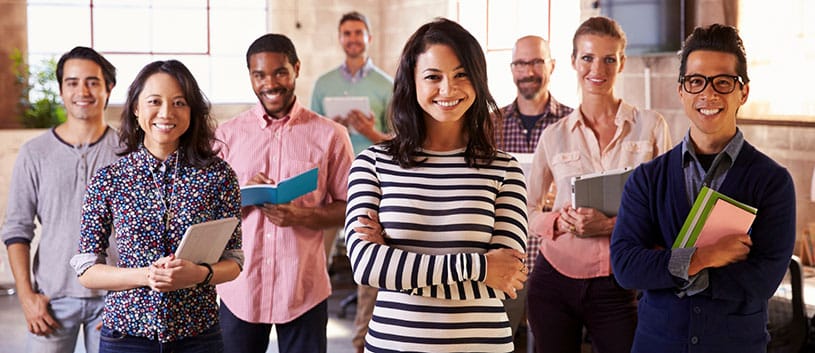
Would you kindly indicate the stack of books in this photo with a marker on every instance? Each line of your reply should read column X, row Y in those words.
column 712, row 217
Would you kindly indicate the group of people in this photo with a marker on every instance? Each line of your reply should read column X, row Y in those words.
column 451, row 244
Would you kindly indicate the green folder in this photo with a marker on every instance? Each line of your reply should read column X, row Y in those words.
column 702, row 209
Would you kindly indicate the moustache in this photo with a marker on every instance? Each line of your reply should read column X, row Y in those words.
column 279, row 91
column 533, row 79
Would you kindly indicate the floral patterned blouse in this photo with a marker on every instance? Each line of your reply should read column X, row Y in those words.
column 124, row 197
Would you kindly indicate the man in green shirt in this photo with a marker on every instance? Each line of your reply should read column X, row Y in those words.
column 357, row 77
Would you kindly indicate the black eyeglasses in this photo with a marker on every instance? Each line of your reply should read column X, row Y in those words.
column 722, row 84
column 521, row 64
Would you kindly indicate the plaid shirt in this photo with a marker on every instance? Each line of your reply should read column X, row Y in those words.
column 511, row 136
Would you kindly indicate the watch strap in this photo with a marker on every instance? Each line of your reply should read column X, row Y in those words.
column 209, row 274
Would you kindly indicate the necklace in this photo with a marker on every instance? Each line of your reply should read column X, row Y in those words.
column 168, row 213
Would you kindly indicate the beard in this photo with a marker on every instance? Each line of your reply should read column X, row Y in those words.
column 529, row 91
column 286, row 97
column 354, row 50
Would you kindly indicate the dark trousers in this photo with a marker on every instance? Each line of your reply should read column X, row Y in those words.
column 559, row 307
column 113, row 341
column 306, row 333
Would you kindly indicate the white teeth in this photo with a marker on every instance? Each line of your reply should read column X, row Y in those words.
column 708, row 111
column 164, row 126
column 447, row 104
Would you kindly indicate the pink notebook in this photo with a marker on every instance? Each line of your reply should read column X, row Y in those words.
column 724, row 219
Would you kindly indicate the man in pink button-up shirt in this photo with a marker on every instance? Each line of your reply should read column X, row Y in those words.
column 284, row 282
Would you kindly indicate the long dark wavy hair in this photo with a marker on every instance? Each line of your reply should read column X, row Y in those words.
column 407, row 116
column 196, row 144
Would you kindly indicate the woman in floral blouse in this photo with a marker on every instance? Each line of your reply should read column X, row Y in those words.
column 168, row 179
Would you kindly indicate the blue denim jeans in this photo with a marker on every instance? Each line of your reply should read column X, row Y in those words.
column 72, row 314
column 209, row 341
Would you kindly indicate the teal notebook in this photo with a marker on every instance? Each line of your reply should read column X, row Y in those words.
column 713, row 216
column 282, row 192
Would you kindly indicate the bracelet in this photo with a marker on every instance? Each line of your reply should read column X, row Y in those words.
column 209, row 275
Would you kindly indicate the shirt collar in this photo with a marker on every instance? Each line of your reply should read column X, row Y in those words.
column 264, row 120
column 143, row 157
column 731, row 149
column 366, row 68
column 547, row 109
column 625, row 113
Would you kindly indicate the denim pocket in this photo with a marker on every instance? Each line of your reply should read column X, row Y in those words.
column 111, row 335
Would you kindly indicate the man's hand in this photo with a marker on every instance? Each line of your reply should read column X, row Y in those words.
column 364, row 124
column 260, row 178
column 727, row 250
column 287, row 215
column 39, row 319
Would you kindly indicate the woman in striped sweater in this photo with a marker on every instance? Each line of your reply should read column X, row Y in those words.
column 436, row 216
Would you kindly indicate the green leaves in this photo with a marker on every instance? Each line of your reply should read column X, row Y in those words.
column 39, row 104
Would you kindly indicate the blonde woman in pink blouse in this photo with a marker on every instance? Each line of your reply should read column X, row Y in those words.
column 571, row 285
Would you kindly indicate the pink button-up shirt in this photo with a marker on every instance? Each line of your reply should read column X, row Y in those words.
column 284, row 273
column 569, row 148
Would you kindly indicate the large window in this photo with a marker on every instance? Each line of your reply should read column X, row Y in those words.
column 209, row 36
column 779, row 59
column 497, row 24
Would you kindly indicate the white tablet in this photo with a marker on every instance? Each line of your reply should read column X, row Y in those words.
column 601, row 191
column 342, row 105
column 205, row 242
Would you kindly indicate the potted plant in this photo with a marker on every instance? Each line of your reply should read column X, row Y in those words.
column 39, row 103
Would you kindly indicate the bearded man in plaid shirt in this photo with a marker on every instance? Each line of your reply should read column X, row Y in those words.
column 523, row 121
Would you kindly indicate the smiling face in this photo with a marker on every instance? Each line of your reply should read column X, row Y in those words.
column 354, row 38
column 597, row 59
column 163, row 114
column 443, row 88
column 273, row 79
column 712, row 114
column 83, row 90
column 531, row 79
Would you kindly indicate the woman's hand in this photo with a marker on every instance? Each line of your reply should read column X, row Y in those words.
column 168, row 274
column 506, row 270
column 585, row 222
column 371, row 230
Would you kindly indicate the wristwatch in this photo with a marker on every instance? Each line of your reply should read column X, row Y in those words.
column 209, row 274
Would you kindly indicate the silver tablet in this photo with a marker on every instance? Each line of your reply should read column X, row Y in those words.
column 205, row 242
column 601, row 191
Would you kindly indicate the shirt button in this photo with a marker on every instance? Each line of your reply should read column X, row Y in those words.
column 694, row 340
column 268, row 261
column 697, row 309
column 268, row 235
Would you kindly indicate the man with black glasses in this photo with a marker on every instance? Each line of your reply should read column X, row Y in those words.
column 534, row 109
column 710, row 298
